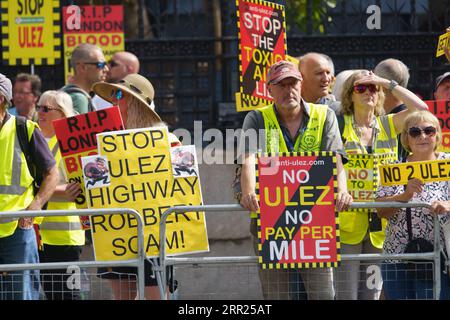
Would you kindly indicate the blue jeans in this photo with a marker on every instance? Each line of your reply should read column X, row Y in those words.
column 20, row 247
column 399, row 283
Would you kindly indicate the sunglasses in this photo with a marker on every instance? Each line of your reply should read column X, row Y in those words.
column 415, row 131
column 118, row 94
column 45, row 108
column 100, row 64
column 361, row 88
column 113, row 64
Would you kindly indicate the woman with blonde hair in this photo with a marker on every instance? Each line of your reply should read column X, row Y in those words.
column 134, row 95
column 62, row 237
column 421, row 136
column 366, row 130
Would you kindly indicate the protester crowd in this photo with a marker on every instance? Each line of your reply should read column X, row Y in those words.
column 358, row 111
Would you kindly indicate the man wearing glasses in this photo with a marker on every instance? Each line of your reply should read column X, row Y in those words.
column 26, row 92
column 89, row 65
column 121, row 64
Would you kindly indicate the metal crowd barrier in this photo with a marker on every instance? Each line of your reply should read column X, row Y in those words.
column 165, row 261
column 138, row 262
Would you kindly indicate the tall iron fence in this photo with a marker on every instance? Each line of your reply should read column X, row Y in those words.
column 188, row 49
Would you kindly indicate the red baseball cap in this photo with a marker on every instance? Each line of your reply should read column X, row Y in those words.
column 281, row 70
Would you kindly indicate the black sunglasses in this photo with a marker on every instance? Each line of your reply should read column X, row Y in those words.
column 416, row 131
column 45, row 108
column 113, row 64
column 100, row 64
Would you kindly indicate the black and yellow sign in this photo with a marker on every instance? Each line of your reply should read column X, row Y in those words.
column 297, row 224
column 31, row 33
column 362, row 174
column 443, row 42
column 426, row 171
column 262, row 42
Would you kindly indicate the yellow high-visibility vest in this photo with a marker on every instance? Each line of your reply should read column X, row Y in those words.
column 16, row 182
column 309, row 141
column 63, row 230
column 354, row 225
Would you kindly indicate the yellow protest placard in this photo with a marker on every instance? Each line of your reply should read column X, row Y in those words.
column 426, row 171
column 362, row 174
column 360, row 182
column 141, row 178
column 292, row 59
column 443, row 42
column 30, row 32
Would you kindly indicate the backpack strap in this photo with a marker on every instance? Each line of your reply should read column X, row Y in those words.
column 22, row 135
column 341, row 124
column 70, row 88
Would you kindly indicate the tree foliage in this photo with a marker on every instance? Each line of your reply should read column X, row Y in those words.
column 297, row 15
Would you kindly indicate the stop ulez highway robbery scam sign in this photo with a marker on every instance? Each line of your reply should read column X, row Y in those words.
column 141, row 178
column 262, row 42
column 297, row 222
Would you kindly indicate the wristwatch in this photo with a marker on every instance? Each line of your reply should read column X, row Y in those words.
column 392, row 85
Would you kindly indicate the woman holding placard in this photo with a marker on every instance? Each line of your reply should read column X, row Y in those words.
column 134, row 95
column 366, row 130
column 62, row 237
column 414, row 227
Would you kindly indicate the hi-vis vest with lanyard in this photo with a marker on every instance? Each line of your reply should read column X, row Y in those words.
column 63, row 230
column 354, row 225
column 309, row 140
column 16, row 182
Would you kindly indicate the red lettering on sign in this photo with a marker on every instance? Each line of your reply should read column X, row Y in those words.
column 102, row 40
column 71, row 164
column 30, row 37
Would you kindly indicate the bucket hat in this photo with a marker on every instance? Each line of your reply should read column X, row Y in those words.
column 133, row 84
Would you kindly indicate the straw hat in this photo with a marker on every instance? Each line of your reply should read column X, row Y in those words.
column 134, row 85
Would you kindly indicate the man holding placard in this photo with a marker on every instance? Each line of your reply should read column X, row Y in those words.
column 291, row 124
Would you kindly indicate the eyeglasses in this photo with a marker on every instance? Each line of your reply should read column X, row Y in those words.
column 416, row 131
column 100, row 64
column 45, row 108
column 361, row 88
column 113, row 64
